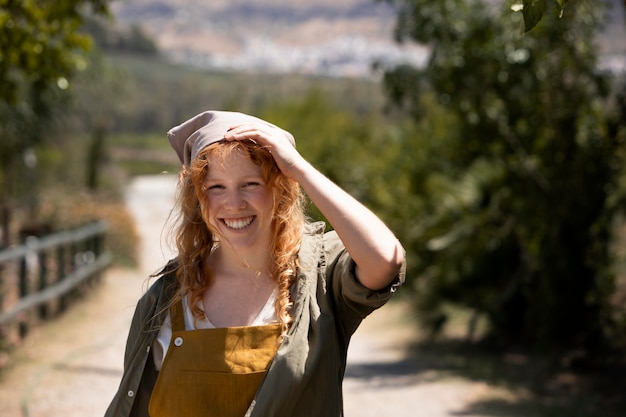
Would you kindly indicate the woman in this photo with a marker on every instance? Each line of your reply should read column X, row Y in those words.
column 255, row 315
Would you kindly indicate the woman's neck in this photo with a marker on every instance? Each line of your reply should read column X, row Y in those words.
column 226, row 260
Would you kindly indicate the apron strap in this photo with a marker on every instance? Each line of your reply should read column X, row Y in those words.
column 178, row 317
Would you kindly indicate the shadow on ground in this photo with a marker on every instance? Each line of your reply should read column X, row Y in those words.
column 386, row 374
column 519, row 386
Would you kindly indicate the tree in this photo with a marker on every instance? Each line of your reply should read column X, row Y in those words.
column 514, row 210
column 39, row 43
column 40, row 49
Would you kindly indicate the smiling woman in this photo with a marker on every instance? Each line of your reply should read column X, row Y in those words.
column 236, row 196
column 255, row 314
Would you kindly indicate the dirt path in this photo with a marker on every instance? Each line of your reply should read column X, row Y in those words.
column 71, row 367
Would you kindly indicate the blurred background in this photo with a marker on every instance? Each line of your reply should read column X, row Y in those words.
column 491, row 139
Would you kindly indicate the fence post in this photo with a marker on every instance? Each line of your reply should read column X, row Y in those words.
column 73, row 266
column 61, row 268
column 23, row 292
column 96, row 245
column 43, row 281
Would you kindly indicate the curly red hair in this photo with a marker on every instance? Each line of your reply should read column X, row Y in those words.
column 195, row 241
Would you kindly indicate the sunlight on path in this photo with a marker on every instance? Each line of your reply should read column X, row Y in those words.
column 383, row 379
column 150, row 200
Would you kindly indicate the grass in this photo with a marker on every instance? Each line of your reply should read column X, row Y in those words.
column 139, row 141
column 142, row 154
column 252, row 88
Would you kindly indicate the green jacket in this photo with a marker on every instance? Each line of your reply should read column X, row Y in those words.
column 305, row 377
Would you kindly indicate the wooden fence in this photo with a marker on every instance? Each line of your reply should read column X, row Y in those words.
column 39, row 277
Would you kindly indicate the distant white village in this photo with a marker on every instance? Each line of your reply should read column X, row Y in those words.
column 339, row 39
column 342, row 57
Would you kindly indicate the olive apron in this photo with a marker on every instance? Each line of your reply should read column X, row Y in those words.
column 212, row 372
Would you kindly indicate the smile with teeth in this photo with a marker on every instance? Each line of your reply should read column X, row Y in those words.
column 238, row 224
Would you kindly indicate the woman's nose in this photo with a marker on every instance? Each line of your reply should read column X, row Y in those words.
column 235, row 201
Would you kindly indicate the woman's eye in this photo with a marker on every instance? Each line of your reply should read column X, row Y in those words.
column 252, row 184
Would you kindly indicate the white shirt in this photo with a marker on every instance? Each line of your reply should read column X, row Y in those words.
column 267, row 315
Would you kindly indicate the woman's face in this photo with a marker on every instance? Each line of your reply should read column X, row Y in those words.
column 238, row 202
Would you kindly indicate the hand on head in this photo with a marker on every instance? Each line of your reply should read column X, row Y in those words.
column 274, row 139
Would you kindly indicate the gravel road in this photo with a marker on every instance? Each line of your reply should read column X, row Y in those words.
column 71, row 366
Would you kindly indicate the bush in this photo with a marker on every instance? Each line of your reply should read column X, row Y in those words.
column 63, row 209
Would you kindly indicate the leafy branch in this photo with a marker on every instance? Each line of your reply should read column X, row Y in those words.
column 533, row 11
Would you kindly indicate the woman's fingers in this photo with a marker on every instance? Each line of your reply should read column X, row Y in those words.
column 265, row 135
column 275, row 140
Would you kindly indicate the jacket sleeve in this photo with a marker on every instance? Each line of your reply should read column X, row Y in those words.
column 353, row 301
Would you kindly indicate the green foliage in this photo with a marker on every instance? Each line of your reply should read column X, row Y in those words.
column 40, row 49
column 513, row 211
column 39, row 43
column 533, row 10
column 340, row 142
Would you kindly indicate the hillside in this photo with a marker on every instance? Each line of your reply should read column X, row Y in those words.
column 325, row 37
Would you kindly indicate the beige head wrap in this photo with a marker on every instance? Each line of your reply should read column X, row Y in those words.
column 190, row 137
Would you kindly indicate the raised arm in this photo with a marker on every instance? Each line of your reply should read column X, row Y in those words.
column 376, row 251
